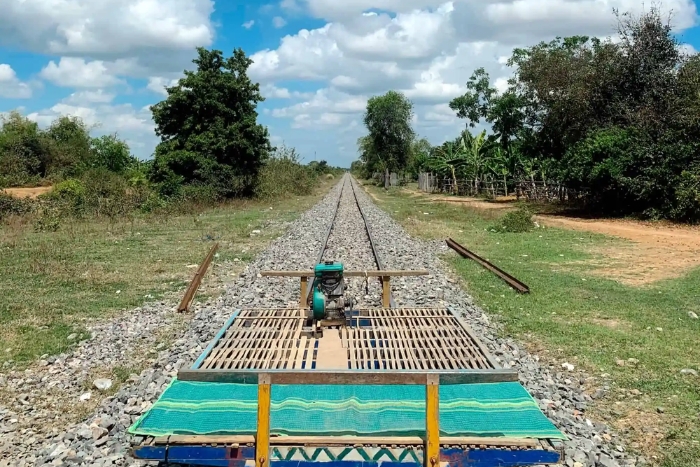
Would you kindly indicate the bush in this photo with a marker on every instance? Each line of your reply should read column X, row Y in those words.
column 515, row 222
column 9, row 205
column 68, row 196
column 283, row 175
column 48, row 220
column 152, row 203
column 106, row 193
column 200, row 194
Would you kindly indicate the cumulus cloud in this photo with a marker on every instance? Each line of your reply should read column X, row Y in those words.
column 248, row 24
column 106, row 26
column 273, row 92
column 279, row 22
column 78, row 73
column 155, row 35
column 10, row 85
column 158, row 84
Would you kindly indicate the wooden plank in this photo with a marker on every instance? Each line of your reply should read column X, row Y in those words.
column 370, row 377
column 197, row 280
column 386, row 291
column 432, row 421
column 262, row 438
column 346, row 440
column 303, row 292
column 471, row 334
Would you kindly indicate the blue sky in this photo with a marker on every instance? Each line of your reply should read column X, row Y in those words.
column 317, row 60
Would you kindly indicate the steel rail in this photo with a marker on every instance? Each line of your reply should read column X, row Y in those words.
column 377, row 259
column 368, row 230
column 510, row 280
column 327, row 236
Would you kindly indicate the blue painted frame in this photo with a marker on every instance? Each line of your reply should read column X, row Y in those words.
column 237, row 457
column 215, row 340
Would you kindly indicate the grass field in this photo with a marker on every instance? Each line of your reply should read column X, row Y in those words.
column 52, row 283
column 573, row 314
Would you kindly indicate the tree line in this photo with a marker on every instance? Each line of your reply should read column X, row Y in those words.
column 617, row 119
column 212, row 148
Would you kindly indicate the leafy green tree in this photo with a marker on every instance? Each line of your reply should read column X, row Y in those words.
column 208, row 126
column 111, row 153
column 22, row 150
column 388, row 121
column 70, row 150
column 482, row 102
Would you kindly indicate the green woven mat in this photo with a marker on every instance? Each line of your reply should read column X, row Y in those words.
column 494, row 409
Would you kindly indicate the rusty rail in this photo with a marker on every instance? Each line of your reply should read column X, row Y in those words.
column 510, row 280
column 197, row 280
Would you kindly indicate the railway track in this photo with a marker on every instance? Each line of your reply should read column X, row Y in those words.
column 349, row 224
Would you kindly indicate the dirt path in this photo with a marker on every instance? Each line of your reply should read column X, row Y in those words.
column 27, row 192
column 657, row 251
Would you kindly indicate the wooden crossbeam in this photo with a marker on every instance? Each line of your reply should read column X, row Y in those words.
column 324, row 377
column 347, row 440
column 349, row 273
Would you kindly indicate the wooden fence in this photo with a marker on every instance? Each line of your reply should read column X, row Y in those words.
column 523, row 189
column 395, row 179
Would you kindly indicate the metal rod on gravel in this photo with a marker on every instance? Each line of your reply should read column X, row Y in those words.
column 197, row 280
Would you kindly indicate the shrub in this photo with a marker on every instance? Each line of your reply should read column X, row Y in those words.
column 9, row 205
column 152, row 203
column 515, row 222
column 283, row 175
column 106, row 193
column 200, row 194
column 48, row 220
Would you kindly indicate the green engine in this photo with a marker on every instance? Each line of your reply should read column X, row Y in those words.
column 328, row 301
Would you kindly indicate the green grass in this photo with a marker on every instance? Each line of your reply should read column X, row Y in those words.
column 52, row 283
column 575, row 315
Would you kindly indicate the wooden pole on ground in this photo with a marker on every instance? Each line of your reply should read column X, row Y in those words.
column 197, row 280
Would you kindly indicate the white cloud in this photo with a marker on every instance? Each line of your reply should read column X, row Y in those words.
column 99, row 96
column 248, row 24
column 106, row 26
column 278, row 22
column 10, row 85
column 158, row 84
column 77, row 73
column 156, row 36
column 290, row 5
column 273, row 92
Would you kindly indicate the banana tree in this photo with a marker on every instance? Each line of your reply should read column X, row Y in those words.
column 499, row 164
column 447, row 159
column 475, row 149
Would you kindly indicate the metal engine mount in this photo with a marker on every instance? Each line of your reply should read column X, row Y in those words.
column 328, row 300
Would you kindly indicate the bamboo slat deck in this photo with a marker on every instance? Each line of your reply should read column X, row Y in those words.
column 376, row 339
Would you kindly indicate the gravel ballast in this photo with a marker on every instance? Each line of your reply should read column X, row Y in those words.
column 33, row 428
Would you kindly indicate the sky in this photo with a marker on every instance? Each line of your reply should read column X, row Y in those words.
column 317, row 61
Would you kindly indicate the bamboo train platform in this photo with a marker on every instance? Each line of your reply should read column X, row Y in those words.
column 407, row 386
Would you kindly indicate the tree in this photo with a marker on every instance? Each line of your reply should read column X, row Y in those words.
column 388, row 121
column 481, row 101
column 447, row 159
column 208, row 126
column 70, row 151
column 111, row 153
